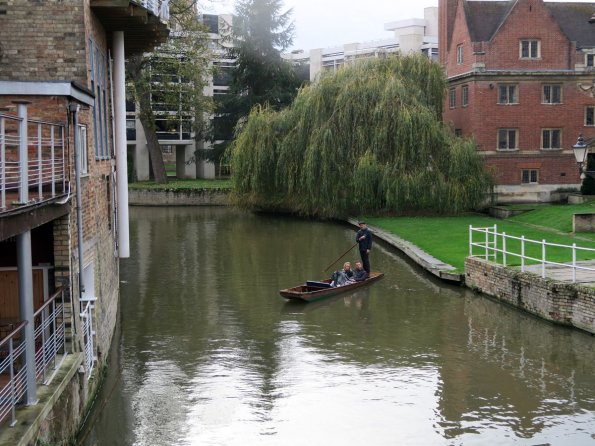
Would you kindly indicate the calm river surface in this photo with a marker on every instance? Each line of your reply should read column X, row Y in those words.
column 208, row 353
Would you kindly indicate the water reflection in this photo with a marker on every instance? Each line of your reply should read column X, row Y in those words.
column 209, row 354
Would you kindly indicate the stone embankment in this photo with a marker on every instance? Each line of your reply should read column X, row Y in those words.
column 563, row 303
column 173, row 197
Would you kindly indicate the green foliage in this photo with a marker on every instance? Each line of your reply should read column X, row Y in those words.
column 368, row 138
column 259, row 33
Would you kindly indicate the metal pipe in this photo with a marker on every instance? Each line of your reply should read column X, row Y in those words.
column 120, row 145
column 74, row 109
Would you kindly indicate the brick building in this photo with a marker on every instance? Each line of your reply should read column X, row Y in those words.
column 521, row 83
column 63, row 201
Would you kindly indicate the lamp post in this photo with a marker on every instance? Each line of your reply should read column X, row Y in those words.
column 580, row 150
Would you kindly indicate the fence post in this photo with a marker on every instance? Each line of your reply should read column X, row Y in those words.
column 486, row 246
column 52, row 161
column 574, row 263
column 543, row 259
column 2, row 163
column 470, row 240
column 504, row 248
column 495, row 244
column 39, row 163
column 522, row 253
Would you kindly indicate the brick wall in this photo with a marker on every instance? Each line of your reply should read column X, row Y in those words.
column 563, row 303
column 42, row 40
column 481, row 119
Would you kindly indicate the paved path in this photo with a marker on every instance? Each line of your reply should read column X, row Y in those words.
column 564, row 273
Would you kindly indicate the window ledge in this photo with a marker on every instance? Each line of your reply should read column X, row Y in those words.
column 557, row 149
column 507, row 150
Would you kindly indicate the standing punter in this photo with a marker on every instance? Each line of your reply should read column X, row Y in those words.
column 364, row 238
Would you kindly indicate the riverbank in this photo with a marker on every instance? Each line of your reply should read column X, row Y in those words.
column 180, row 193
column 431, row 240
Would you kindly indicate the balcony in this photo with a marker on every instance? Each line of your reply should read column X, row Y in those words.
column 34, row 172
column 144, row 22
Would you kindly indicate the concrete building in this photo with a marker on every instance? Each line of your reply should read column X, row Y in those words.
column 63, row 202
column 177, row 139
column 520, row 77
column 409, row 36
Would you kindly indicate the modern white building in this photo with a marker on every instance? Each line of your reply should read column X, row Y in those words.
column 409, row 36
column 176, row 138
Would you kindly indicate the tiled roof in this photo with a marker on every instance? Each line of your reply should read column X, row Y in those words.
column 485, row 17
column 574, row 21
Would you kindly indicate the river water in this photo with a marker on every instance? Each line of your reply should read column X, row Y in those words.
column 208, row 353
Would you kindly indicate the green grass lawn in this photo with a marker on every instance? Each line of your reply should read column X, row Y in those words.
column 182, row 184
column 447, row 238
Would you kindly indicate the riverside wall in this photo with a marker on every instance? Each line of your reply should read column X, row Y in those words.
column 165, row 197
column 567, row 304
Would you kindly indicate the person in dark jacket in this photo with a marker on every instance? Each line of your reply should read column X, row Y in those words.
column 360, row 274
column 364, row 239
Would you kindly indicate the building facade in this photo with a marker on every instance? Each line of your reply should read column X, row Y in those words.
column 176, row 138
column 409, row 36
column 63, row 201
column 520, row 82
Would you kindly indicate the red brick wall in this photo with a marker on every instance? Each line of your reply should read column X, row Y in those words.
column 529, row 19
column 482, row 118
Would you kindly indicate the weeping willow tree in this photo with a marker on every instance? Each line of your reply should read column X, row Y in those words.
column 366, row 139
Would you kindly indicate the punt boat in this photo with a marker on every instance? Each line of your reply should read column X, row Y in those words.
column 315, row 290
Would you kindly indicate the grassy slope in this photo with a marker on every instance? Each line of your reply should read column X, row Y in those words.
column 447, row 238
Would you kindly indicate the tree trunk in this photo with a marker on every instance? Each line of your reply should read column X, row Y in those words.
column 147, row 119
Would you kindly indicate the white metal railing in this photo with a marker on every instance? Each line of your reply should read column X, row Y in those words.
column 50, row 335
column 88, row 336
column 13, row 372
column 496, row 247
column 46, row 164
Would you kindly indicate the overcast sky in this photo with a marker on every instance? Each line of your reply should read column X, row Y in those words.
column 328, row 23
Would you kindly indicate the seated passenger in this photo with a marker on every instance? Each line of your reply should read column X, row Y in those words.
column 343, row 276
column 360, row 273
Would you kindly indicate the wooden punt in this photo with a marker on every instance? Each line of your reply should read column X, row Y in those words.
column 311, row 290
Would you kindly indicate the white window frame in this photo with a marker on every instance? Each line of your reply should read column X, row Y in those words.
column 531, row 43
column 508, row 133
column 452, row 98
column 509, row 100
column 460, row 54
column 550, row 133
column 590, row 110
column 548, row 98
column 530, row 173
column 464, row 95
column 84, row 152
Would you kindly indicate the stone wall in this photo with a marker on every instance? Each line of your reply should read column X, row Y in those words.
column 198, row 197
column 583, row 223
column 563, row 303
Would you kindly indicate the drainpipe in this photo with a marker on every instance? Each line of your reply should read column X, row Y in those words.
column 74, row 109
column 25, row 262
column 120, row 144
